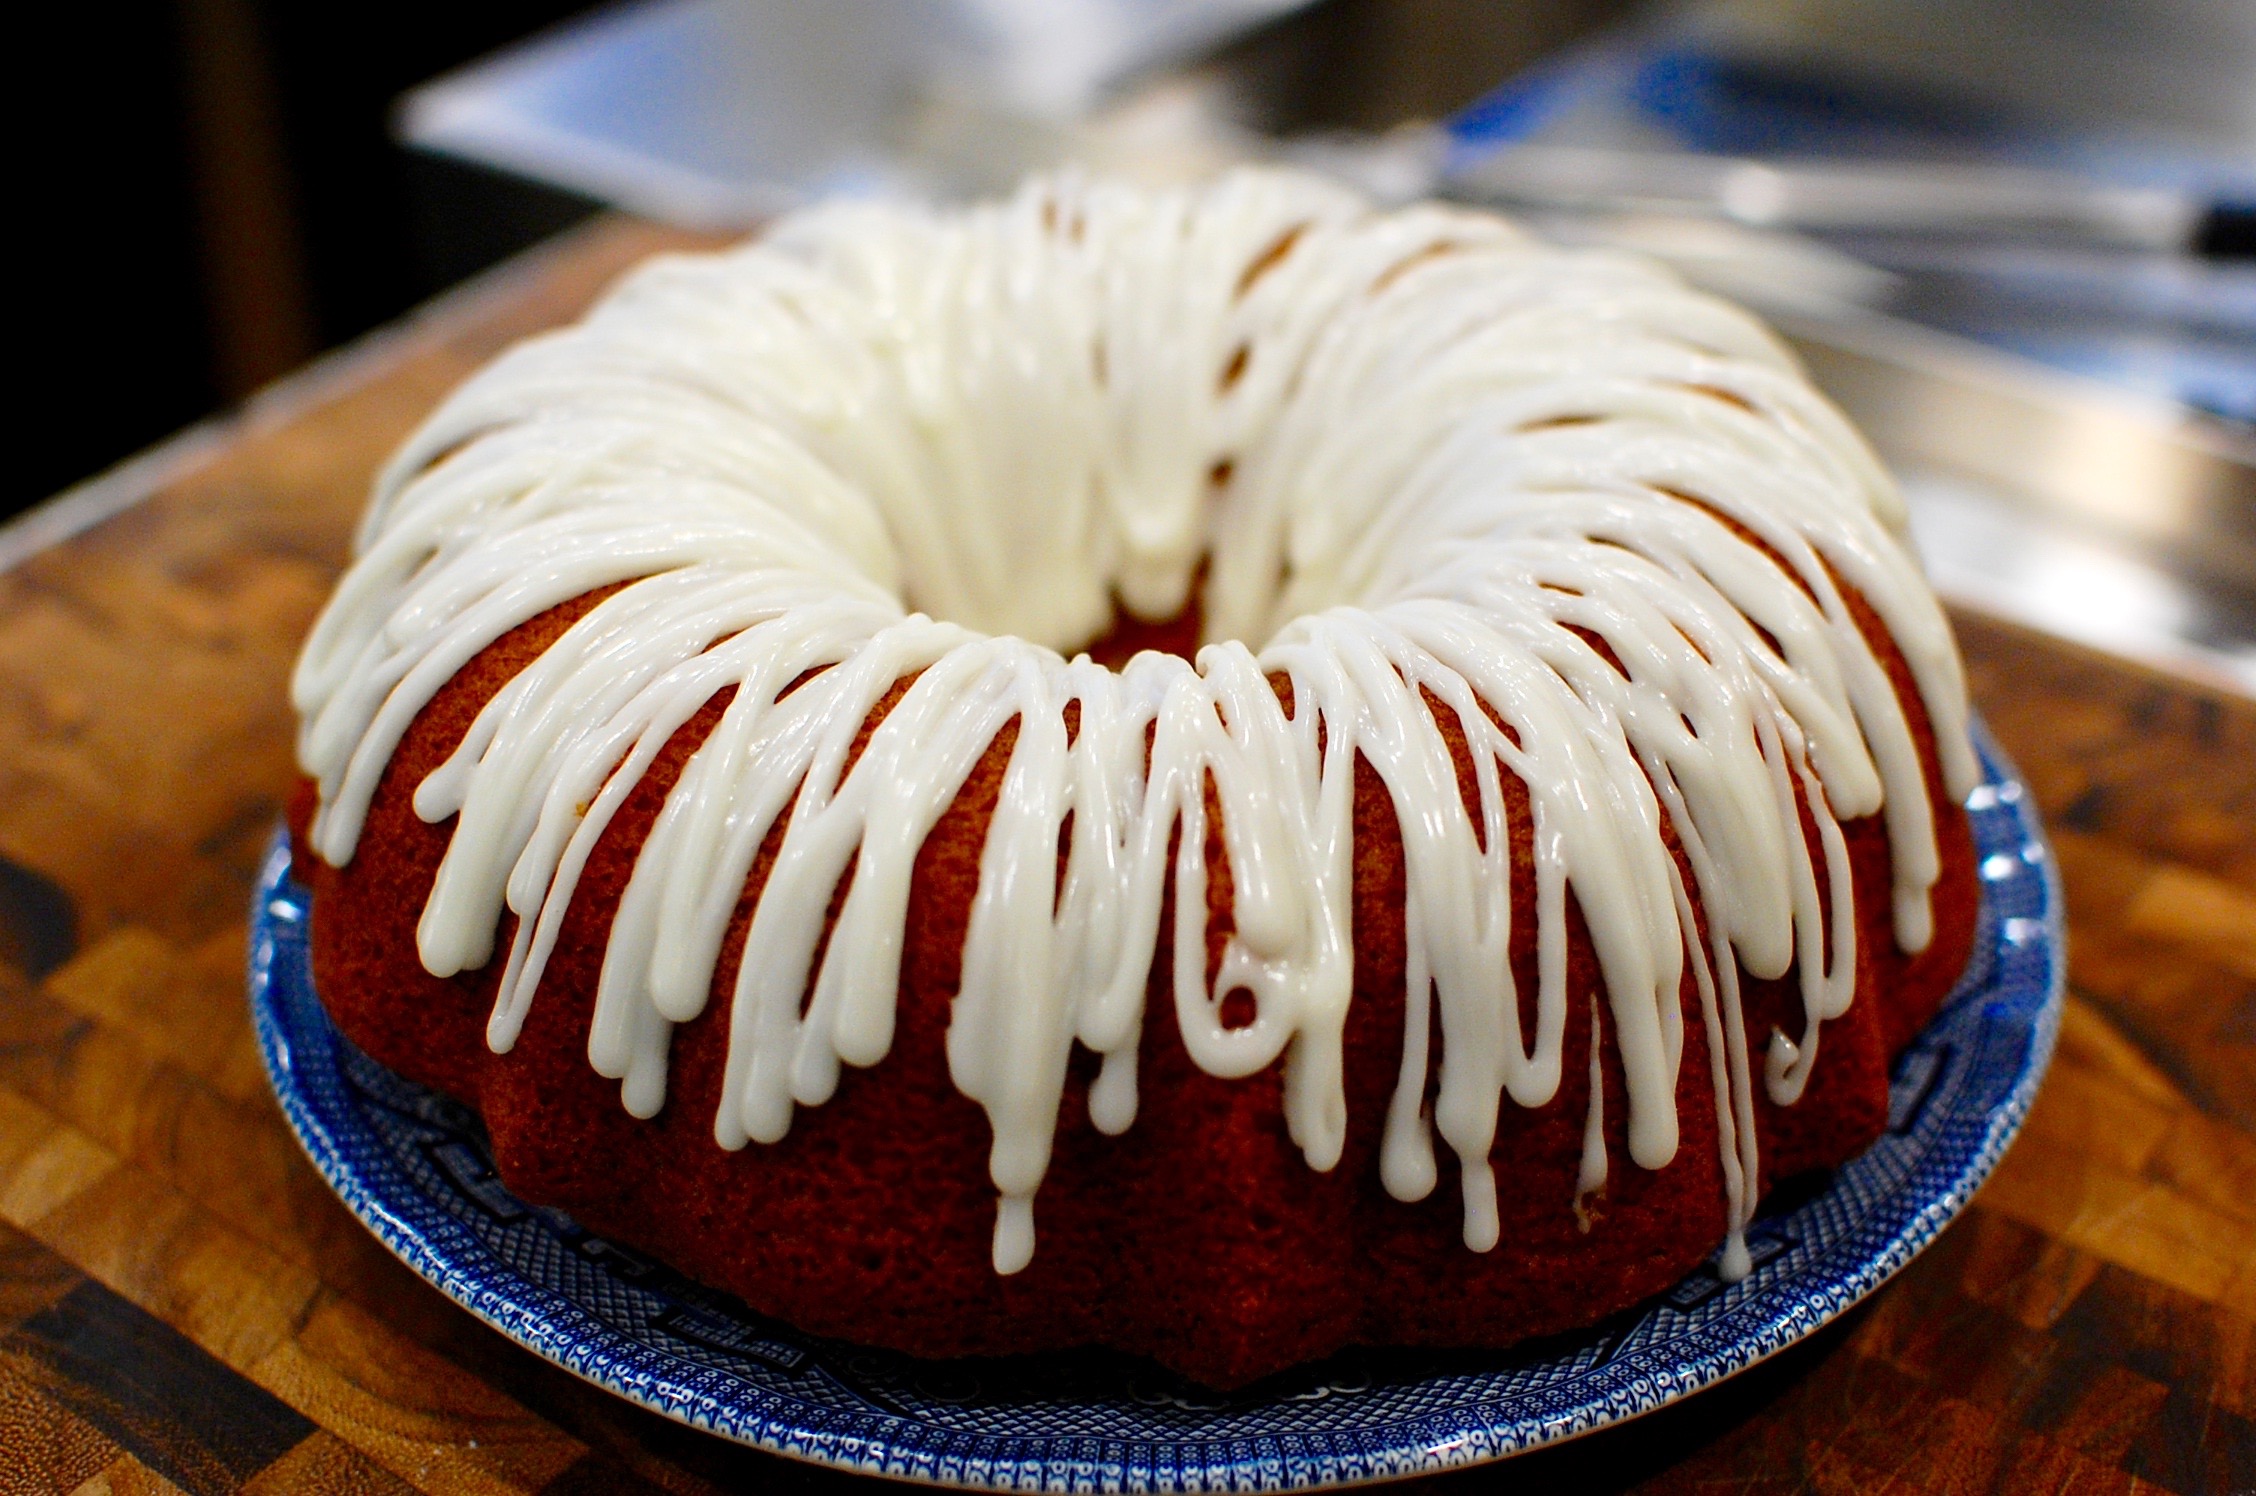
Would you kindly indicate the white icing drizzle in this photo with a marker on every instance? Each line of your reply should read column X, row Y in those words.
column 1427, row 461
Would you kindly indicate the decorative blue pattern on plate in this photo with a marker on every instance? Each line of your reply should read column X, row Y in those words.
column 414, row 1167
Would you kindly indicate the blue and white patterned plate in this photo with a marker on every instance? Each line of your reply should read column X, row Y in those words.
column 415, row 1168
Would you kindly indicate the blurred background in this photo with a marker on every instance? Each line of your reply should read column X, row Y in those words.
column 2016, row 238
column 223, row 198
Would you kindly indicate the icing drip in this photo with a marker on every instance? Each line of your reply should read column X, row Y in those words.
column 1433, row 467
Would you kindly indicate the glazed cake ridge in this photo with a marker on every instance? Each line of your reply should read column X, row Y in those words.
column 1430, row 466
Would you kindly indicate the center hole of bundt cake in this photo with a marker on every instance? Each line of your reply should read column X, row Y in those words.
column 1128, row 635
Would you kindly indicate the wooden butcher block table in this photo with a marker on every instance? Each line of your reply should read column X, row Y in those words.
column 183, row 1303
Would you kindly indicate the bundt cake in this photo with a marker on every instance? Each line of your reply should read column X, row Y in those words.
column 991, row 780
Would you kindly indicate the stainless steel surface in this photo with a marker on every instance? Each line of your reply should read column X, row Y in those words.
column 1989, row 550
column 708, row 113
column 2179, row 67
column 716, row 114
column 1890, row 197
column 2069, row 506
column 2145, row 474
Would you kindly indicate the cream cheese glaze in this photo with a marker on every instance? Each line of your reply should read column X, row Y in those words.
column 1422, row 458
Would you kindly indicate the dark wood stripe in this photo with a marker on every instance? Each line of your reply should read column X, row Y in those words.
column 2154, row 1331
column 31, row 1277
column 38, row 921
column 2195, row 1447
column 596, row 1474
column 151, row 1390
column 686, row 1458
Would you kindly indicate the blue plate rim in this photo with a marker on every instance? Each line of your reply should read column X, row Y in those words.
column 553, row 1327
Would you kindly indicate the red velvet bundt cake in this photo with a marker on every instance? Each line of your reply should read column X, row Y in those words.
column 737, row 768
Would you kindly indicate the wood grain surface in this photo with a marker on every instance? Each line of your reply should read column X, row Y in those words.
column 183, row 1304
